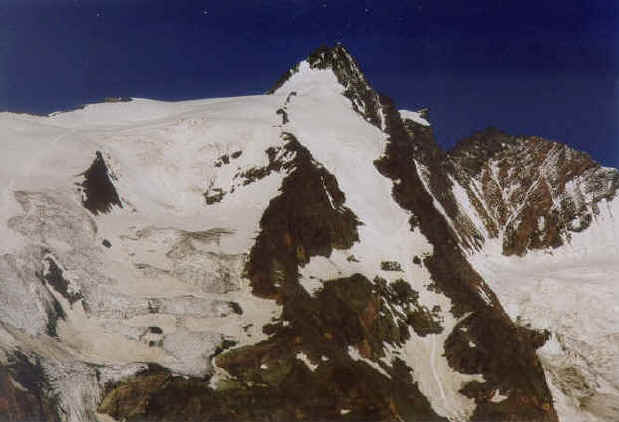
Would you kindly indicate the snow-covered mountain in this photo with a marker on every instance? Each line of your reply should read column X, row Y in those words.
column 547, row 219
column 537, row 221
column 309, row 254
column 530, row 193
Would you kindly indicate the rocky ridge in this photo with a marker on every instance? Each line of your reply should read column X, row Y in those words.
column 530, row 192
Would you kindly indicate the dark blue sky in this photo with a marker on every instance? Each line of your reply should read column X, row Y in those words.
column 547, row 68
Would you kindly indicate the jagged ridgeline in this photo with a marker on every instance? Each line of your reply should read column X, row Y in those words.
column 303, row 255
column 530, row 193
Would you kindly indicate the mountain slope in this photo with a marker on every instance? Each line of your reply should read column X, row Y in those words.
column 529, row 192
column 547, row 214
column 542, row 217
column 278, row 257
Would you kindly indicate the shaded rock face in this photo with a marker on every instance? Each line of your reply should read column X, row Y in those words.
column 302, row 372
column 308, row 219
column 425, row 147
column 99, row 194
column 530, row 192
column 54, row 277
column 514, row 369
column 23, row 392
column 433, row 173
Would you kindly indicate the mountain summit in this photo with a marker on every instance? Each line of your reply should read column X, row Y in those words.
column 310, row 254
column 338, row 61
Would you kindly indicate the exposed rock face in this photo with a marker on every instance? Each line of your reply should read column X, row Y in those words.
column 530, row 192
column 308, row 219
column 99, row 193
column 516, row 368
column 23, row 392
column 430, row 163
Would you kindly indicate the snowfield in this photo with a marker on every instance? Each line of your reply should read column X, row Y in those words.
column 573, row 292
column 174, row 263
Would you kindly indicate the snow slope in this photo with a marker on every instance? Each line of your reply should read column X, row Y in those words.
column 169, row 251
column 573, row 292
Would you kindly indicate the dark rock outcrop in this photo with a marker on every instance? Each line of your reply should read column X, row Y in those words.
column 24, row 393
column 98, row 192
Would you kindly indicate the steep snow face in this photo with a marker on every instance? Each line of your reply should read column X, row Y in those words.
column 352, row 82
column 306, row 80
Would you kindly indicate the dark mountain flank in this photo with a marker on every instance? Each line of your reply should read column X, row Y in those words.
column 505, row 368
column 98, row 192
column 23, row 396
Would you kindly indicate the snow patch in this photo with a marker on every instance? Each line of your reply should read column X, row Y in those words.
column 306, row 360
column 354, row 354
column 415, row 116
